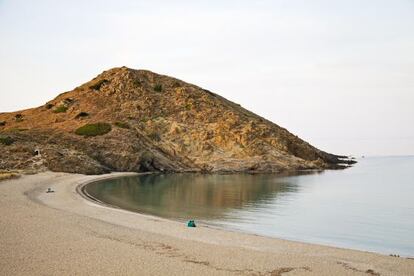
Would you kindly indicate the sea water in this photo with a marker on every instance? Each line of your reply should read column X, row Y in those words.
column 367, row 207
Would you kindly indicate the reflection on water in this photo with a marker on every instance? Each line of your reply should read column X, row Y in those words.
column 368, row 207
column 183, row 196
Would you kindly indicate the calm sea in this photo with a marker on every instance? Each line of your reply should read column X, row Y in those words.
column 368, row 207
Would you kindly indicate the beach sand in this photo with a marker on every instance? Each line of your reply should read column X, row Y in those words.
column 63, row 233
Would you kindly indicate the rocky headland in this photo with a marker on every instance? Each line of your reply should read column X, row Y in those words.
column 136, row 120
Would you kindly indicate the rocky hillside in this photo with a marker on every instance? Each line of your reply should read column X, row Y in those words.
column 137, row 120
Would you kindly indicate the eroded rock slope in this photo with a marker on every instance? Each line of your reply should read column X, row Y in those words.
column 137, row 120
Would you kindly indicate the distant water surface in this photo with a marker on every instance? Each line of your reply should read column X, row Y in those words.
column 368, row 207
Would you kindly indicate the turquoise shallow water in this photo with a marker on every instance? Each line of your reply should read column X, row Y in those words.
column 367, row 207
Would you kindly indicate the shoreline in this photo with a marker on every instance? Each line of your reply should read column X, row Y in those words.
column 82, row 192
column 163, row 245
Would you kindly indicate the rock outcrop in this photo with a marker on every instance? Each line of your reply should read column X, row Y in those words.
column 137, row 120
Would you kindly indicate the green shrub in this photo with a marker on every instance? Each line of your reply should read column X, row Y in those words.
column 137, row 83
column 209, row 92
column 6, row 140
column 60, row 109
column 94, row 129
column 122, row 125
column 82, row 114
column 68, row 101
column 16, row 129
column 18, row 117
column 176, row 84
column 49, row 106
column 98, row 84
column 158, row 88
column 146, row 161
column 154, row 136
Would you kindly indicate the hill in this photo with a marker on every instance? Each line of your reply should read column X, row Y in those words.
column 137, row 120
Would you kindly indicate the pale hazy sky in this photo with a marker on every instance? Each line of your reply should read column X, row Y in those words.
column 340, row 74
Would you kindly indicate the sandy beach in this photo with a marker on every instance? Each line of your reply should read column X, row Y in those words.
column 64, row 233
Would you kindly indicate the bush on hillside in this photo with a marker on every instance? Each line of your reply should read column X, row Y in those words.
column 97, row 129
column 146, row 161
column 158, row 88
column 7, row 140
column 176, row 84
column 82, row 114
column 154, row 136
column 60, row 109
column 49, row 106
column 137, row 83
column 98, row 84
column 122, row 125
column 18, row 117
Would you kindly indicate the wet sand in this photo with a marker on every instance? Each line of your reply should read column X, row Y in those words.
column 63, row 233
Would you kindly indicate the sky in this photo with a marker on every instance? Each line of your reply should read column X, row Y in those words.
column 339, row 74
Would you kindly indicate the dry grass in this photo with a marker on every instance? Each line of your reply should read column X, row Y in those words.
column 8, row 175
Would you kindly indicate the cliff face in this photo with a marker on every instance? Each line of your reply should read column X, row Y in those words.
column 136, row 120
